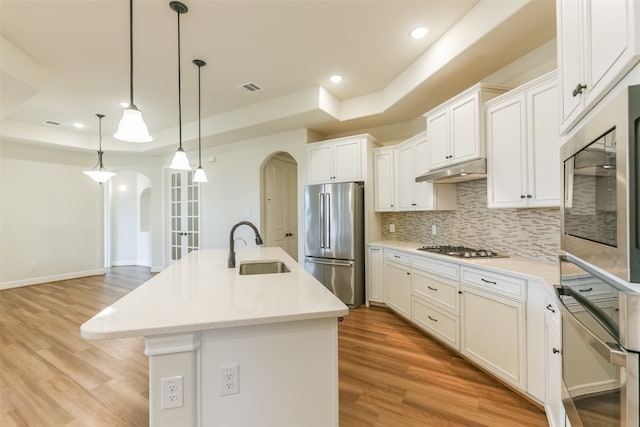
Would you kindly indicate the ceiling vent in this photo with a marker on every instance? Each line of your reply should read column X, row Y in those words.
column 52, row 123
column 250, row 87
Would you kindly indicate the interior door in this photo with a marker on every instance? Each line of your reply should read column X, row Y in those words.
column 281, row 205
column 185, row 215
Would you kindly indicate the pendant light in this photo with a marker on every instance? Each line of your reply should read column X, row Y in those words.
column 200, row 175
column 132, row 127
column 180, row 161
column 99, row 173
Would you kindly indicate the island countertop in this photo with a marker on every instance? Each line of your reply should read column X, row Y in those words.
column 200, row 292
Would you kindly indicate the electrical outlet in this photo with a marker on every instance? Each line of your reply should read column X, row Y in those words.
column 229, row 380
column 434, row 229
column 392, row 228
column 172, row 394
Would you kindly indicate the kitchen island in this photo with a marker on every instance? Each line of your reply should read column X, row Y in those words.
column 276, row 333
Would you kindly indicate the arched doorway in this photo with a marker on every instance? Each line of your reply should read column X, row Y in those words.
column 280, row 202
column 129, row 219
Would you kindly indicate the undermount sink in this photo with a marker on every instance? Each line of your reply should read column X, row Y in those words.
column 262, row 267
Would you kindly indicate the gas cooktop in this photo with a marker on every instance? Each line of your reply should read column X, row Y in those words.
column 461, row 252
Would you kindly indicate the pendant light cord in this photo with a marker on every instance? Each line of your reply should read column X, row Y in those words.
column 131, row 52
column 100, row 116
column 199, row 120
column 179, row 88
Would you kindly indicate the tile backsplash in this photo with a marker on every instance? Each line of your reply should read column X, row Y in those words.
column 525, row 233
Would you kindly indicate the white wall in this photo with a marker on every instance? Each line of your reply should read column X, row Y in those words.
column 233, row 191
column 50, row 215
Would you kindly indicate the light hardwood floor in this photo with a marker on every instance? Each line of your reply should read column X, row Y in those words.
column 391, row 374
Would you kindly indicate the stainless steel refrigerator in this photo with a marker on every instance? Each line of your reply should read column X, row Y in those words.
column 334, row 238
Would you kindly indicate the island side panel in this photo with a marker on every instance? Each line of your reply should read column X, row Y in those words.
column 288, row 374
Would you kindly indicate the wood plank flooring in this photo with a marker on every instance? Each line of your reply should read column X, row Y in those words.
column 391, row 374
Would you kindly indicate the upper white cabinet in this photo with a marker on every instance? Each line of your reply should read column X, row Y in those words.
column 396, row 186
column 598, row 43
column 523, row 146
column 384, row 179
column 455, row 129
column 338, row 160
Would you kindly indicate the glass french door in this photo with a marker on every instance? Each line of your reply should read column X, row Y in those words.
column 185, row 214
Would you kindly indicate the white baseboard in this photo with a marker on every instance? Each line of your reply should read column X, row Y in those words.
column 141, row 263
column 157, row 268
column 51, row 278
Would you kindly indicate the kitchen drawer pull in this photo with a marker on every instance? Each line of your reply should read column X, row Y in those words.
column 550, row 308
column 487, row 281
column 433, row 289
column 585, row 290
column 397, row 256
column 555, row 350
column 432, row 319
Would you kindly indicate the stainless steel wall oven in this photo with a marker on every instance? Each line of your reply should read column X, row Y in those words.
column 601, row 208
column 600, row 346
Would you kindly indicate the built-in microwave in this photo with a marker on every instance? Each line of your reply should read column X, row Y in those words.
column 601, row 207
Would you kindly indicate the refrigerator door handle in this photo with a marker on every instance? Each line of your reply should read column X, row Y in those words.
column 327, row 221
column 338, row 263
column 322, row 219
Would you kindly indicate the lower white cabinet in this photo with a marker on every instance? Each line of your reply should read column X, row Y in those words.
column 374, row 274
column 493, row 333
column 397, row 284
column 441, row 324
column 553, row 364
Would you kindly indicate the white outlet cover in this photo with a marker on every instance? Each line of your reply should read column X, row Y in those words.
column 172, row 392
column 229, row 380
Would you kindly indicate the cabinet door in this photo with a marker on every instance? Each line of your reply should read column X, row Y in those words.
column 347, row 161
column 465, row 128
column 506, row 140
column 397, row 287
column 553, row 401
column 423, row 191
column 374, row 276
column 609, row 48
column 320, row 163
column 543, row 147
column 438, row 137
column 406, row 178
column 569, row 17
column 493, row 334
column 384, row 181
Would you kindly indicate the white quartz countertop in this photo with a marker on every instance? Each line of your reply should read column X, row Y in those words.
column 549, row 272
column 200, row 292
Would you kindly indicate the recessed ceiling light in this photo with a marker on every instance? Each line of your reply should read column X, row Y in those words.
column 336, row 78
column 419, row 32
column 78, row 125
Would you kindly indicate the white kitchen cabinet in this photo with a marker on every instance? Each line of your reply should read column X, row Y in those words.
column 493, row 333
column 455, row 129
column 598, row 43
column 375, row 274
column 338, row 160
column 553, row 364
column 384, row 179
column 411, row 161
column 397, row 282
column 523, row 146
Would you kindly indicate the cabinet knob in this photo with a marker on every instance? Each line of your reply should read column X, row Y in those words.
column 529, row 196
column 408, row 273
column 391, row 204
column 522, row 196
column 555, row 350
column 578, row 90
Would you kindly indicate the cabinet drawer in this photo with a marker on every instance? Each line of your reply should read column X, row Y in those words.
column 442, row 325
column 398, row 257
column 445, row 269
column 438, row 292
column 495, row 282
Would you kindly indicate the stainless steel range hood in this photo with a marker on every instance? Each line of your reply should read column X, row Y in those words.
column 469, row 171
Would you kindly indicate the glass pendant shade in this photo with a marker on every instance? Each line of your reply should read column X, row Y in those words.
column 180, row 161
column 100, row 176
column 200, row 175
column 132, row 128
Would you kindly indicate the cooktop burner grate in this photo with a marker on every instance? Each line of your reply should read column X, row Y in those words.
column 461, row 251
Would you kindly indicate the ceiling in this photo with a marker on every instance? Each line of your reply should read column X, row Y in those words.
column 64, row 61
